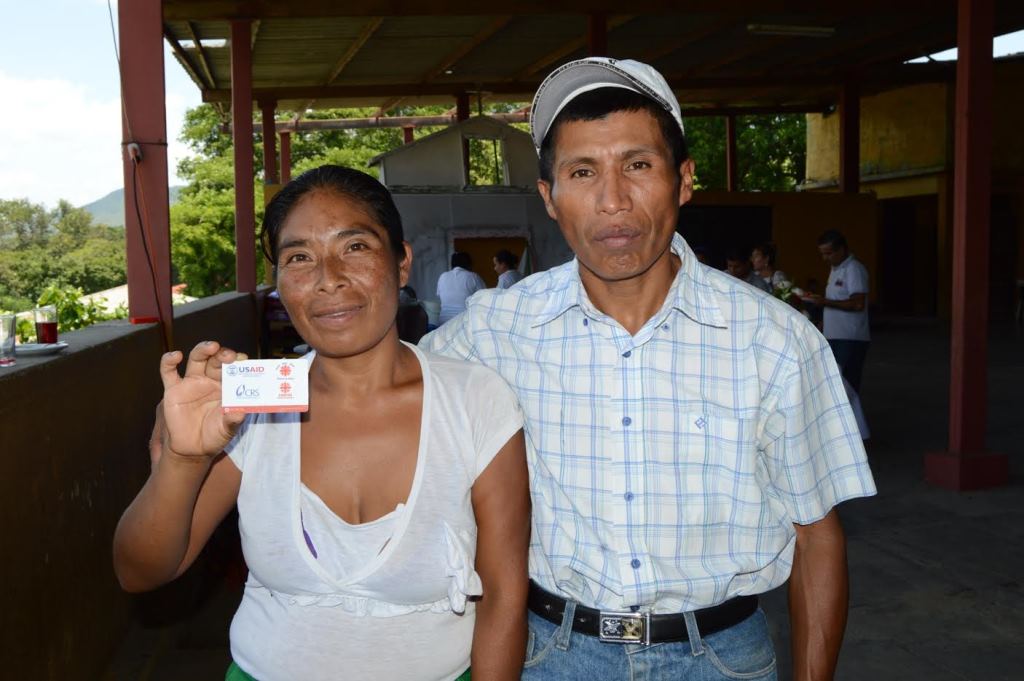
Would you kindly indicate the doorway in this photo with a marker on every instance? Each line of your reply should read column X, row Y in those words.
column 482, row 249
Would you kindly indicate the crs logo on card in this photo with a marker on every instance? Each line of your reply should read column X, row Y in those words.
column 246, row 393
column 285, row 370
column 285, row 390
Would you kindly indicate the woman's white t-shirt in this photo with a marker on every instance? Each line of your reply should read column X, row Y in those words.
column 404, row 614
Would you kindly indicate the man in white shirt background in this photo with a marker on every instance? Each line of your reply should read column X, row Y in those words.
column 505, row 262
column 456, row 285
column 845, row 306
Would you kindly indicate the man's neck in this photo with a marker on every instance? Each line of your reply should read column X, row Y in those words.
column 632, row 302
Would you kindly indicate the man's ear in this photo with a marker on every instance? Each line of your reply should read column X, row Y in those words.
column 544, row 187
column 686, row 170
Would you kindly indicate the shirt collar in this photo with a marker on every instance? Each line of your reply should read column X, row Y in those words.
column 691, row 292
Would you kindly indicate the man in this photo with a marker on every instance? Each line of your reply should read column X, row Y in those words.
column 737, row 263
column 845, row 304
column 687, row 436
column 505, row 262
column 456, row 285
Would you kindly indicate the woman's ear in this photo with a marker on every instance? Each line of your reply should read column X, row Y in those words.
column 405, row 266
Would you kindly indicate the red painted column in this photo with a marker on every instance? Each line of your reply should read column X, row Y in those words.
column 597, row 35
column 241, row 120
column 731, row 170
column 407, row 134
column 270, row 175
column 144, row 131
column 849, row 138
column 967, row 465
column 286, row 157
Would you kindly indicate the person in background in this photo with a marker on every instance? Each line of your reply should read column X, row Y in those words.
column 845, row 304
column 688, row 437
column 412, row 318
column 763, row 260
column 737, row 263
column 505, row 265
column 456, row 285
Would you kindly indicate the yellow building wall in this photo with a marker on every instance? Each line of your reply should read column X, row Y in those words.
column 900, row 130
column 799, row 218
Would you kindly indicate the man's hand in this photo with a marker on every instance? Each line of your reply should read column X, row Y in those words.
column 818, row 598
column 190, row 415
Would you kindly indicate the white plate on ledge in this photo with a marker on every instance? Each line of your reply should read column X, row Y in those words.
column 33, row 349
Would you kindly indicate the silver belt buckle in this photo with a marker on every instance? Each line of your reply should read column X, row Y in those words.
column 625, row 627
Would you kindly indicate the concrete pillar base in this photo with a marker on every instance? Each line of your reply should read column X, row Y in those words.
column 965, row 472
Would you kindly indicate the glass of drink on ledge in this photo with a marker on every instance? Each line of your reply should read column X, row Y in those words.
column 8, row 329
column 46, row 324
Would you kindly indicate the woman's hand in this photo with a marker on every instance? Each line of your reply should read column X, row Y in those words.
column 195, row 425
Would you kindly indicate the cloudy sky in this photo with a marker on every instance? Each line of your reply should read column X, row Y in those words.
column 60, row 130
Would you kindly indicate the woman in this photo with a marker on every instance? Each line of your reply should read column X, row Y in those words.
column 361, row 520
column 505, row 265
column 763, row 260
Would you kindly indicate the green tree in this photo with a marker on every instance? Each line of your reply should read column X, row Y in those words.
column 770, row 151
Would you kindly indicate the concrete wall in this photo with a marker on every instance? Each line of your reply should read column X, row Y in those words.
column 72, row 456
column 432, row 220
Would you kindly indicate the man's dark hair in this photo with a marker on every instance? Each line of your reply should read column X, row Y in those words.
column 358, row 186
column 507, row 258
column 462, row 259
column 738, row 254
column 598, row 104
column 833, row 238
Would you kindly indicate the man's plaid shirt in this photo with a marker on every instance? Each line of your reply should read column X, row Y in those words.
column 667, row 468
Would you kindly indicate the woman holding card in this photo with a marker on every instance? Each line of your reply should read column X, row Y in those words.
column 385, row 529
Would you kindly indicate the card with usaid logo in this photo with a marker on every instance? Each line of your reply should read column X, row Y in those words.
column 265, row 386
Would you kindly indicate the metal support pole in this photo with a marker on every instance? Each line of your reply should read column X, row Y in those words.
column 967, row 465
column 270, row 174
column 849, row 138
column 144, row 131
column 241, row 119
column 731, row 170
column 286, row 157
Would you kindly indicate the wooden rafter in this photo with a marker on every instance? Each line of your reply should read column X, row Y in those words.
column 368, row 30
column 756, row 47
column 565, row 50
column 454, row 56
column 203, row 61
column 185, row 60
column 681, row 41
column 255, row 34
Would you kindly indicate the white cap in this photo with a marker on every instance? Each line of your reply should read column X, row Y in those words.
column 583, row 75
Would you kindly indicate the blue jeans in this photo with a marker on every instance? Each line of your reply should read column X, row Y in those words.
column 556, row 653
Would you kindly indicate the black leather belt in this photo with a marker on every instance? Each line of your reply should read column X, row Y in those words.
column 640, row 627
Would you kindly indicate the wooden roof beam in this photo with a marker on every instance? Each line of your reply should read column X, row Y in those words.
column 680, row 42
column 364, row 35
column 203, row 61
column 478, row 39
column 196, row 10
column 568, row 48
column 186, row 61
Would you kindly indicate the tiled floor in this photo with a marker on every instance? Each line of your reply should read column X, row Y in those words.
column 936, row 587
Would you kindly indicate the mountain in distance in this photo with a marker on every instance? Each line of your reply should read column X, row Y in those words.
column 110, row 209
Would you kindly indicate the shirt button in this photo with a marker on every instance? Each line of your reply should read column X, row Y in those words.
column 628, row 496
column 635, row 563
column 626, row 420
column 634, row 608
column 586, row 321
column 627, row 353
column 664, row 327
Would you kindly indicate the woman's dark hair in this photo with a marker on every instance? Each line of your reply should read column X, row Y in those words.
column 507, row 258
column 360, row 187
column 598, row 104
column 767, row 250
column 462, row 259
